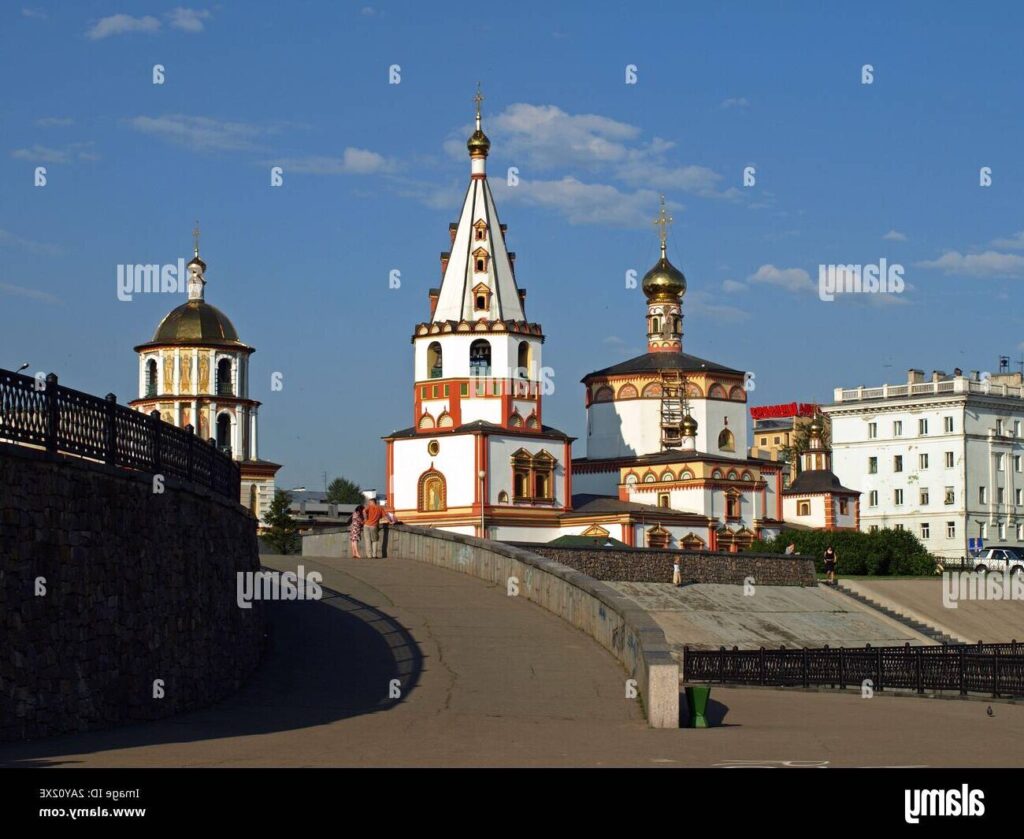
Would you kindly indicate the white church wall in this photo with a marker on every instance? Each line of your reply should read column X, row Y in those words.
column 625, row 428
column 456, row 461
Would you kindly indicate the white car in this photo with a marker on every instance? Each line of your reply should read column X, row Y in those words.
column 999, row 559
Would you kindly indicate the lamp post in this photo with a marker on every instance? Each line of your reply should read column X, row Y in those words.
column 24, row 366
column 483, row 501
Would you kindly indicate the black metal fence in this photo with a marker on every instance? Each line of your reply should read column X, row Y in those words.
column 58, row 419
column 994, row 669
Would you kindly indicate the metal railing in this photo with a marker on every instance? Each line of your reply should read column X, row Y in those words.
column 994, row 669
column 61, row 420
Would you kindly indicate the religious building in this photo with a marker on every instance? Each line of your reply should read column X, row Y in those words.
column 666, row 460
column 195, row 372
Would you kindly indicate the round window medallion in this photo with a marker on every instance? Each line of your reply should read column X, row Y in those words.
column 433, row 447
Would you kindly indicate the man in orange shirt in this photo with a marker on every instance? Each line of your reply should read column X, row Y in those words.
column 375, row 515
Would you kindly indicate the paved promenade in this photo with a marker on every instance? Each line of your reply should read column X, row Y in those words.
column 489, row 680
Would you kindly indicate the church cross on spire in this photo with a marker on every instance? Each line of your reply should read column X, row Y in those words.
column 478, row 99
column 663, row 221
column 195, row 238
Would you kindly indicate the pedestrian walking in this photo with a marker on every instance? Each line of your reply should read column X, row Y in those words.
column 677, row 573
column 830, row 565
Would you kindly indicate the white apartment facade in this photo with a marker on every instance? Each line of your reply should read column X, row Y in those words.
column 942, row 458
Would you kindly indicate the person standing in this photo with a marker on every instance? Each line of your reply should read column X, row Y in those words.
column 355, row 531
column 374, row 515
column 677, row 573
column 830, row 565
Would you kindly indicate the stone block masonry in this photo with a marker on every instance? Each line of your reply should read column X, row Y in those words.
column 644, row 565
column 116, row 603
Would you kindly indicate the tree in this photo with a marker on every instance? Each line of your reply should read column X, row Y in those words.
column 344, row 491
column 282, row 530
column 883, row 552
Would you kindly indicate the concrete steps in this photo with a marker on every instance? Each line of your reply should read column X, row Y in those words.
column 925, row 629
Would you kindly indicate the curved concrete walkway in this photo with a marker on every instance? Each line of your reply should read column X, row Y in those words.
column 489, row 680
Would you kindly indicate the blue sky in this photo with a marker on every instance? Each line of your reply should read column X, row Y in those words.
column 373, row 173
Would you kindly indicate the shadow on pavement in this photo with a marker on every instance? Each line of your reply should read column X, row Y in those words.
column 325, row 660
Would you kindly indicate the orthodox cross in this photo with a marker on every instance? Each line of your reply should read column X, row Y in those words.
column 663, row 221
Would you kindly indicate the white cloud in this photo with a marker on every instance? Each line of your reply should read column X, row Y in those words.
column 188, row 20
column 353, row 161
column 702, row 303
column 584, row 203
column 54, row 122
column 31, row 293
column 121, row 24
column 200, row 133
column 791, row 279
column 733, row 287
column 737, row 102
column 33, row 13
column 987, row 264
column 47, row 154
column 1015, row 242
column 895, row 236
column 8, row 239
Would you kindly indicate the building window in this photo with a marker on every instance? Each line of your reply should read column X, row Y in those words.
column 873, row 498
column 872, row 465
column 897, row 497
column 480, row 258
column 898, row 527
column 982, row 495
column 897, row 428
column 948, row 425
column 521, row 484
column 925, row 530
column 435, row 367
column 897, row 463
column 873, row 528
column 480, row 231
column 949, row 460
column 658, row 537
column 1000, row 463
column 726, row 441
column 1000, row 495
column 872, row 430
column 503, row 497
column 924, row 498
column 776, row 441
column 152, row 379
column 922, row 427
column 844, row 507
column 1017, row 463
column 224, row 432
column 999, row 428
column 764, row 441
column 432, row 492
column 922, row 460
column 663, row 499
column 533, row 476
column 433, row 448
column 732, row 505
column 949, row 497
column 950, row 529
column 1002, row 531
column 1016, row 428
column 225, row 386
column 1019, row 496
column 480, row 358
column 1020, row 532
column 984, row 530
column 803, row 508
column 523, row 357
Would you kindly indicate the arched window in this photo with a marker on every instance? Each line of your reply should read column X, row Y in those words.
column 627, row 391
column 445, row 420
column 677, row 324
column 152, row 379
column 503, row 497
column 224, row 432
column 604, row 394
column 716, row 391
column 532, row 422
column 738, row 394
column 543, row 476
column 427, row 421
column 515, row 420
column 650, row 478
column 732, row 505
column 225, row 387
column 658, row 537
column 631, row 479
column 686, row 475
column 655, row 325
column 432, row 492
column 667, row 475
column 524, row 359
column 435, row 362
column 254, row 501
column 652, row 390
column 726, row 441
column 480, row 358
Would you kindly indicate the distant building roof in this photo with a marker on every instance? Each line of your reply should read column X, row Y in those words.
column 654, row 362
column 492, row 428
column 587, row 542
column 817, row 480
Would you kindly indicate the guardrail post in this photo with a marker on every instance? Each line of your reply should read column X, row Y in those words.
column 52, row 412
column 919, row 663
column 188, row 452
column 764, row 673
column 154, row 415
column 110, row 429
column 842, row 673
column 995, row 673
column 804, row 663
column 963, row 686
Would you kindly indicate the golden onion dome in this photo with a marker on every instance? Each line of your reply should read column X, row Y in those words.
column 816, row 426
column 196, row 322
column 664, row 282
column 689, row 426
column 478, row 143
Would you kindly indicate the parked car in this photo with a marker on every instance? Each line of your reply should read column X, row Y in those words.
column 1000, row 558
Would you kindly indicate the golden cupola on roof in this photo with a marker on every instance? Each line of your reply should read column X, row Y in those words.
column 689, row 426
column 196, row 322
column 664, row 282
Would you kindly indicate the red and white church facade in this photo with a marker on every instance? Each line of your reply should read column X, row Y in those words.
column 666, row 460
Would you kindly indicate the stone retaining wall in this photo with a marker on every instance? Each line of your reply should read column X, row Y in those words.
column 651, row 566
column 116, row 603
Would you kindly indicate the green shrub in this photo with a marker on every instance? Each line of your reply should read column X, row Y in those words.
column 884, row 552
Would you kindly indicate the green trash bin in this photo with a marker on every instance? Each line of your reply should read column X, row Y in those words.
column 697, row 701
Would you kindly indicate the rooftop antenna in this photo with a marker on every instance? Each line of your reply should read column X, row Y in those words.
column 1004, row 364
